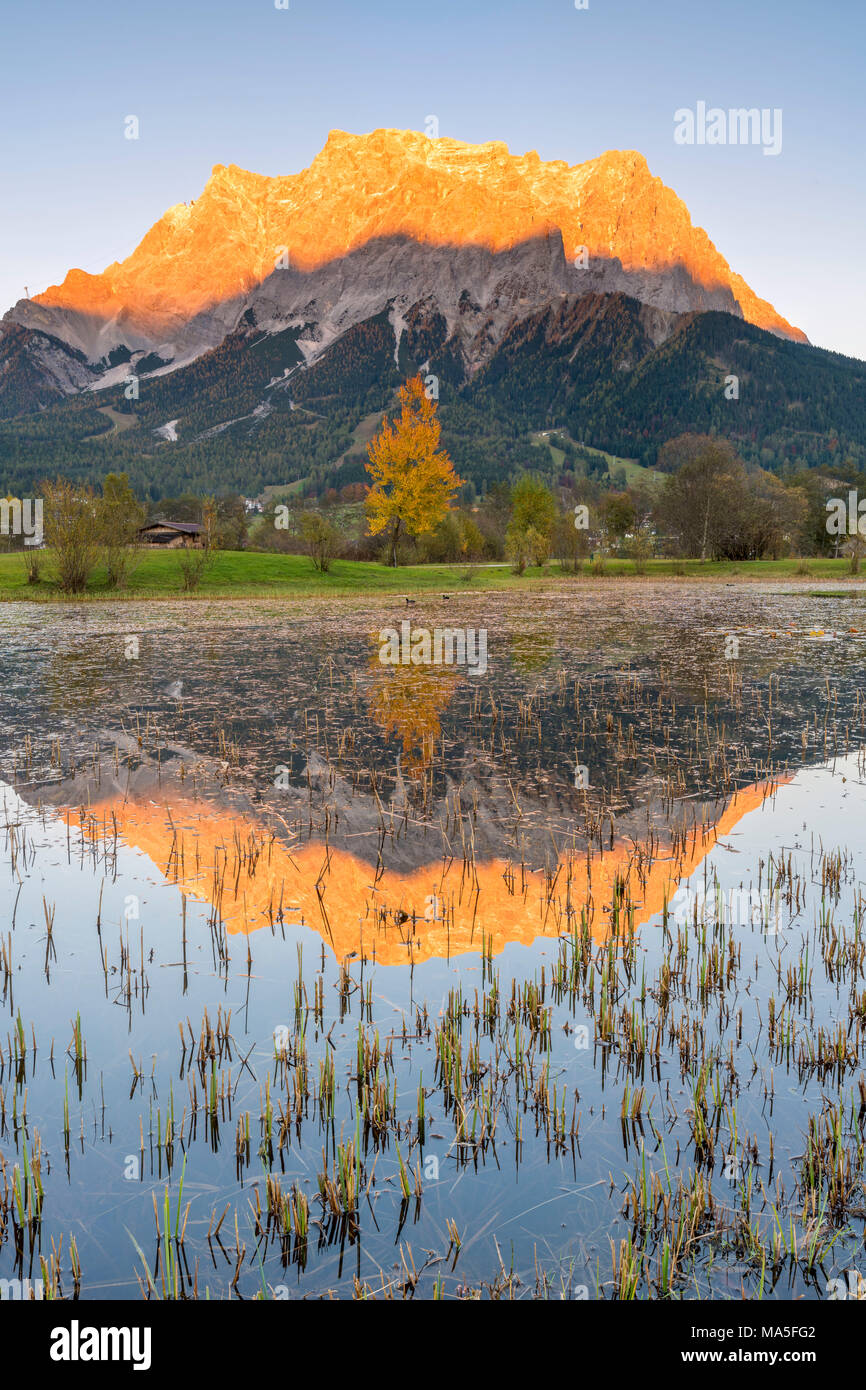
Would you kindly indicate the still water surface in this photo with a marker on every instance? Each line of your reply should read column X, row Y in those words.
column 546, row 981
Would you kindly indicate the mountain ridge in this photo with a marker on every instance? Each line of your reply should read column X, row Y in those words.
column 204, row 263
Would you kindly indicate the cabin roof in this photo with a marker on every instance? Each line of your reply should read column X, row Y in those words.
column 186, row 528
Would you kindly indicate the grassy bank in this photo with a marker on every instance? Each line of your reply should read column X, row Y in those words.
column 238, row 574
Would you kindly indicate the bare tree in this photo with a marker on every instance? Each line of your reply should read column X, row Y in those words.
column 641, row 547
column 320, row 539
column 194, row 562
column 72, row 532
column 706, row 504
column 854, row 548
column 121, row 517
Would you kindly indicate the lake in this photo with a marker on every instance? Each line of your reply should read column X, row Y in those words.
column 328, row 975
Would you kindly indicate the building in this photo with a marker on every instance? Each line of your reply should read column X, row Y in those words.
column 171, row 535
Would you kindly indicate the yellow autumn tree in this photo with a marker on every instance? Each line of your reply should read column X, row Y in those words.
column 409, row 701
column 413, row 480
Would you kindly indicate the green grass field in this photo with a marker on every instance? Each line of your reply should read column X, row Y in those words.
column 239, row 574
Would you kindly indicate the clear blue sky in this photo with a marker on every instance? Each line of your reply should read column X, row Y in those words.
column 239, row 81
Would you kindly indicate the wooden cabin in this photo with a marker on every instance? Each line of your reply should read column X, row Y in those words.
column 171, row 535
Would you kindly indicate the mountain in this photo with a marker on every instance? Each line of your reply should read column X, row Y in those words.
column 204, row 263
column 370, row 217
column 266, row 321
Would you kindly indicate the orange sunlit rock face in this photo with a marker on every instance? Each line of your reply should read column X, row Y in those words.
column 205, row 852
column 399, row 183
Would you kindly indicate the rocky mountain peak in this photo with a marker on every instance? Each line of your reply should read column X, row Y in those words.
column 335, row 240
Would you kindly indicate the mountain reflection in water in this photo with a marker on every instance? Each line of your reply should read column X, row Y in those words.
column 254, row 877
